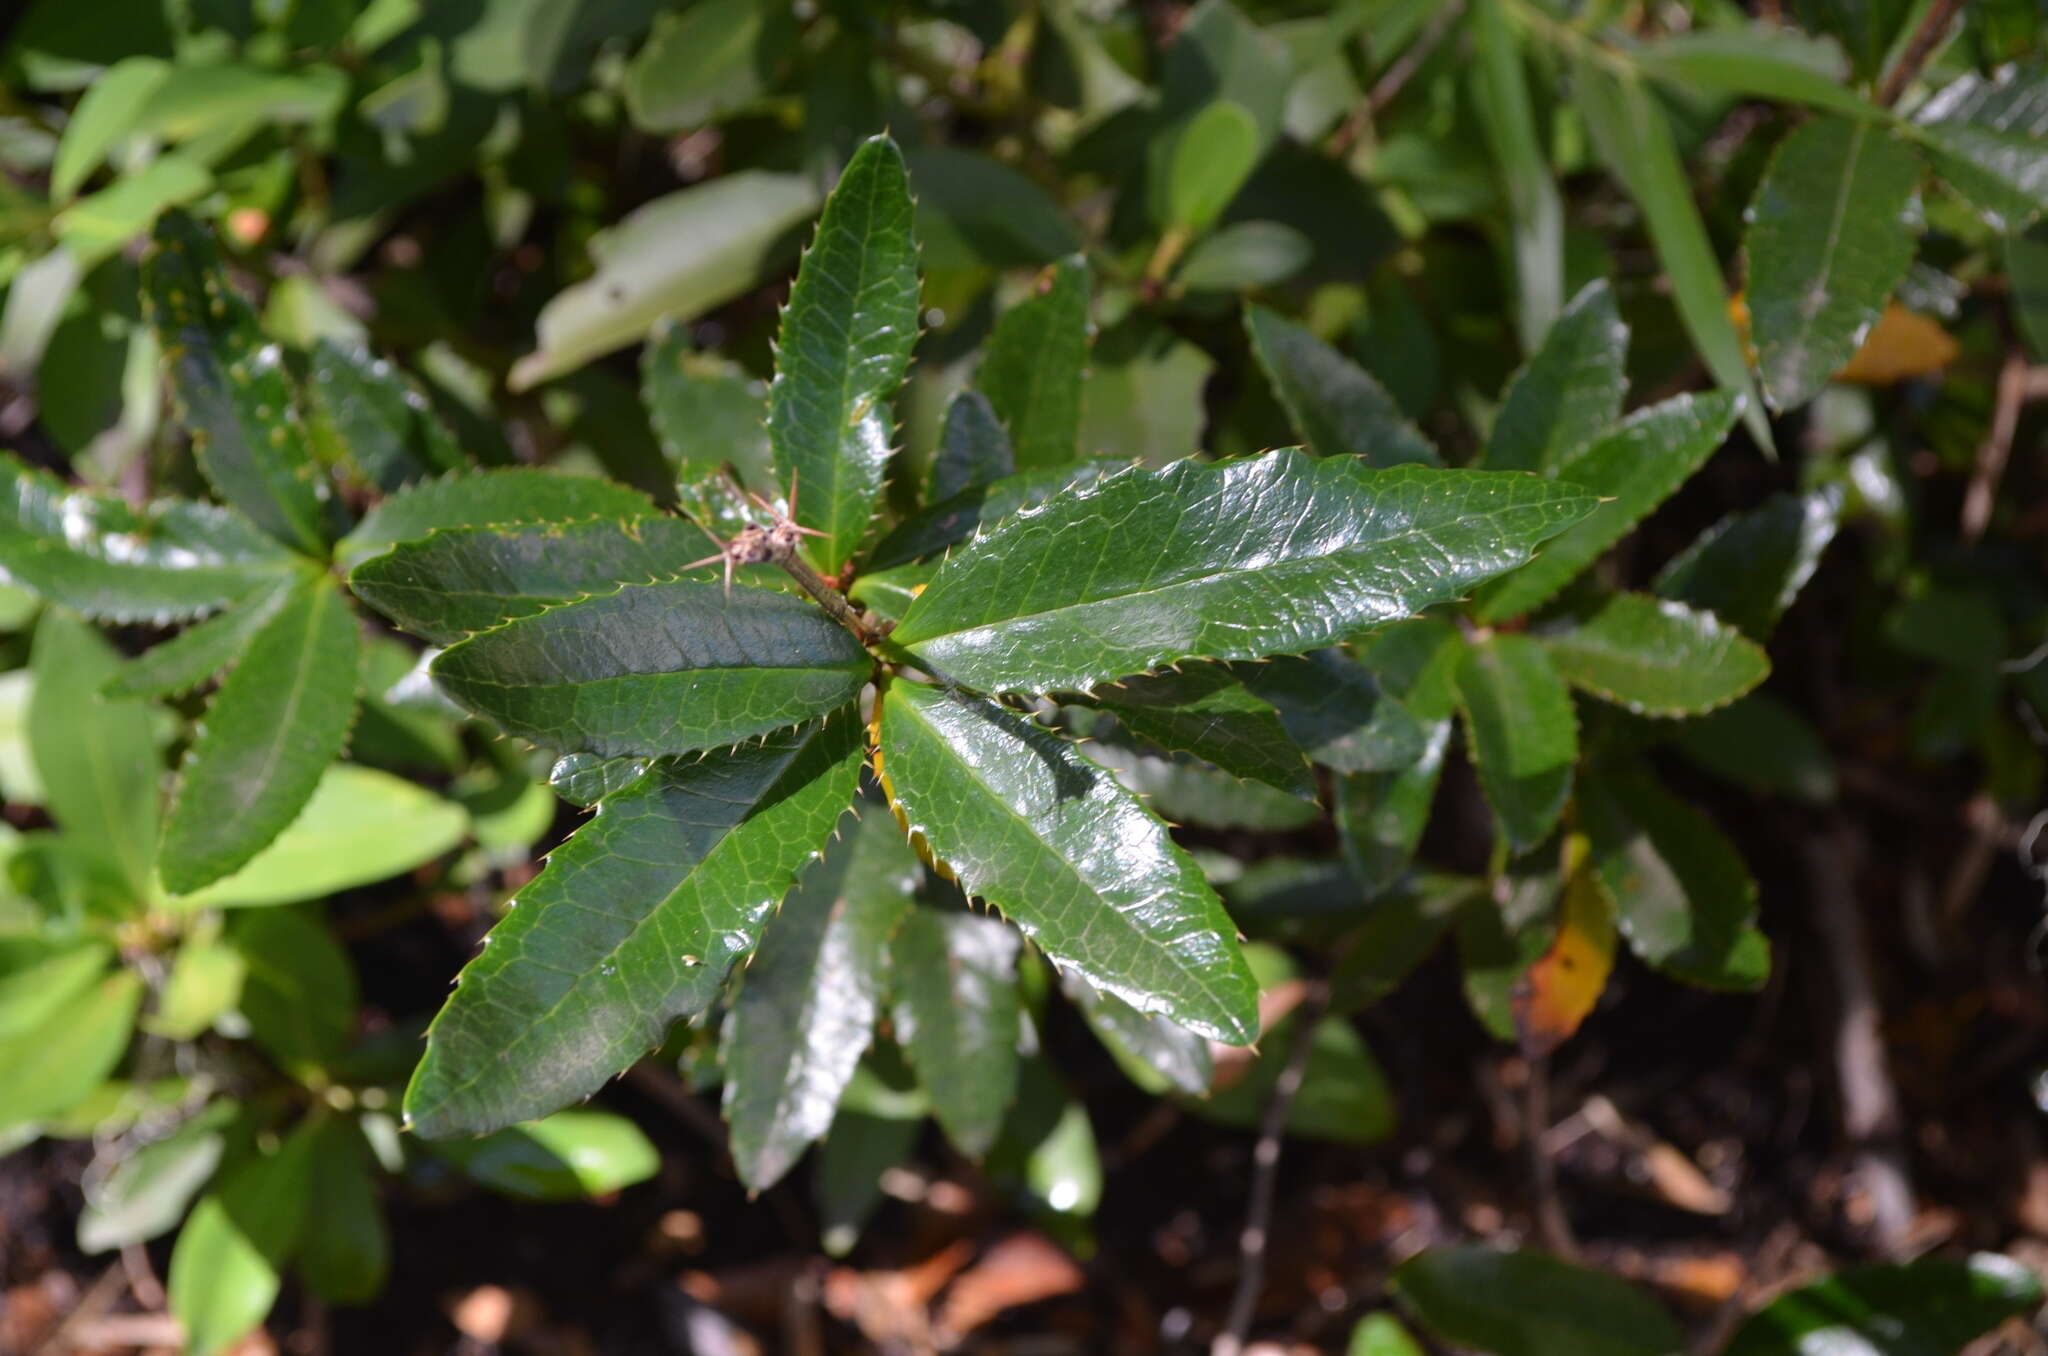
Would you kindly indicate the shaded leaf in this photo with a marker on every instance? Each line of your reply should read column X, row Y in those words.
column 1828, row 241
column 360, row 826
column 1657, row 658
column 1035, row 365
column 1344, row 1096
column 1932, row 1307
column 958, row 519
column 849, row 1169
column 1765, row 745
column 2026, row 267
column 1398, row 932
column 707, row 62
column 92, row 552
column 1634, row 138
column 706, row 411
column 1523, row 734
column 1634, row 468
column 346, row 1256
column 570, row 1156
column 1381, row 815
column 1335, row 711
column 974, row 211
column 634, row 923
column 1272, row 555
column 1186, row 790
column 232, row 388
column 1157, row 1054
column 974, row 449
column 1333, row 403
column 1531, row 1304
column 463, row 580
column 958, row 1016
column 807, row 1003
column 486, row 498
column 676, row 258
column 663, row 668
column 1684, row 898
column 1208, row 712
column 844, row 347
column 1569, row 392
column 276, row 723
column 380, row 421
column 1748, row 567
column 299, row 992
column 1069, row 856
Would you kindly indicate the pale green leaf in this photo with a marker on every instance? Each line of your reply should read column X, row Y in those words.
column 1213, row 153
column 572, row 1155
column 1034, row 368
column 706, row 410
column 1536, row 209
column 148, row 1190
column 225, row 1269
column 97, row 758
column 707, row 62
column 1656, row 657
column 49, row 1067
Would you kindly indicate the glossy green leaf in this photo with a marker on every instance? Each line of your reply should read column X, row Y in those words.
column 225, row 1269
column 93, row 552
column 276, row 723
column 1381, row 815
column 1634, row 138
column 1989, row 139
column 1336, row 712
column 110, row 109
column 1763, row 744
column 97, row 759
column 1683, row 897
column 299, row 992
column 1762, row 61
column 487, row 498
column 1272, row 555
column 1634, row 469
column 360, row 826
column 1935, row 1306
column 1035, row 367
column 807, row 1003
column 1212, row 155
column 634, row 923
column 958, row 519
column 1209, row 712
column 1531, row 1304
column 974, row 448
column 1749, row 567
column 463, row 580
column 844, row 347
column 232, row 389
column 675, row 257
column 1072, row 858
column 957, row 1014
column 572, row 1155
column 188, row 659
column 346, row 1255
column 1157, row 1054
column 1333, row 403
column 381, row 423
column 1522, row 732
column 149, row 1189
column 663, row 668
column 586, row 778
column 51, row 1066
column 1656, row 657
column 707, row 62
column 1827, row 244
column 1569, row 392
column 1536, row 209
column 706, row 410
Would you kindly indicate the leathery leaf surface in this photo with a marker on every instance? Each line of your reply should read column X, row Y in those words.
column 1077, row 862
column 1270, row 555
column 634, row 923
column 654, row 669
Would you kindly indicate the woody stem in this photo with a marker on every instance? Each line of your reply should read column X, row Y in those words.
column 831, row 599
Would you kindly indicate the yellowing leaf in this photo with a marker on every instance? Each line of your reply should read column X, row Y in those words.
column 1901, row 345
column 1566, row 981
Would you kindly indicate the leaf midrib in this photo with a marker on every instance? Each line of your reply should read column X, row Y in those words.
column 1832, row 243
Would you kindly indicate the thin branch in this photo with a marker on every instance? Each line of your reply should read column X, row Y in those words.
column 1552, row 1224
column 2013, row 384
column 1929, row 36
column 1251, row 1243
